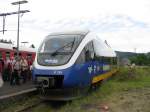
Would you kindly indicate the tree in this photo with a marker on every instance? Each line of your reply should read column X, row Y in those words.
column 140, row 59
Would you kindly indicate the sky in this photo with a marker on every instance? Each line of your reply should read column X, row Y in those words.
column 125, row 24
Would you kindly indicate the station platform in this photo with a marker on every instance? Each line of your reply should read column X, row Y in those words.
column 8, row 90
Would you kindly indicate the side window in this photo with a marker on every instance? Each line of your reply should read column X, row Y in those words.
column 99, row 58
column 81, row 58
column 8, row 54
column 106, row 60
column 29, row 55
column 89, row 51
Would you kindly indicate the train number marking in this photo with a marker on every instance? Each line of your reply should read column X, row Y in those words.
column 58, row 72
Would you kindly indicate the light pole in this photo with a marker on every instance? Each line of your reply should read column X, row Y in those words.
column 18, row 3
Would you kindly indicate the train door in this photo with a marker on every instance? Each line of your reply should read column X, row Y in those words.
column 90, row 60
column 84, row 65
column 89, row 52
column 99, row 61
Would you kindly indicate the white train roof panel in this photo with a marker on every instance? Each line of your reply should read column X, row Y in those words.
column 27, row 49
column 102, row 49
column 81, row 32
column 6, row 46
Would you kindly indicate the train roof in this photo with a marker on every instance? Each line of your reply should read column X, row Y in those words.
column 67, row 32
column 103, row 49
column 6, row 46
column 27, row 49
column 21, row 48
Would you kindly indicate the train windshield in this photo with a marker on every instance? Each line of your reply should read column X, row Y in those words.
column 57, row 50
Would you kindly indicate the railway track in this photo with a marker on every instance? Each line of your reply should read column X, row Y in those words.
column 30, row 107
column 55, row 105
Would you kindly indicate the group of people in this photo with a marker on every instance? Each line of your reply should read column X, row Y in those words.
column 16, row 70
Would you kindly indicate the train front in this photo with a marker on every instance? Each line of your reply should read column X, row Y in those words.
column 54, row 73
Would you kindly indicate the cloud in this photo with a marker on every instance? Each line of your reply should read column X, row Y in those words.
column 122, row 32
column 112, row 23
column 124, row 23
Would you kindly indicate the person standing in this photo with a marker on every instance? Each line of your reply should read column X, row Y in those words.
column 15, row 73
column 24, row 68
column 2, row 66
column 1, row 70
column 1, row 80
column 7, row 71
column 10, row 66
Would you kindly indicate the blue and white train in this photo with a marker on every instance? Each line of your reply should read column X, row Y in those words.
column 70, row 62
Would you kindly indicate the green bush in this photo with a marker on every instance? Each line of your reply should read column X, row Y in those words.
column 134, row 74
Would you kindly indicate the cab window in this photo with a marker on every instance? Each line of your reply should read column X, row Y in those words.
column 89, row 51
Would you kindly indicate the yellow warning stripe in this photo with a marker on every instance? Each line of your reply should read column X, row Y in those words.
column 103, row 76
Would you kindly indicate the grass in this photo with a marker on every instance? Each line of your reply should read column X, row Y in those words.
column 125, row 80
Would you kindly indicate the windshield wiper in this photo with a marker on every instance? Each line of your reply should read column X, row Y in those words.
column 56, row 51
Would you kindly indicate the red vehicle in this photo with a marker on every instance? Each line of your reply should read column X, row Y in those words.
column 7, row 50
